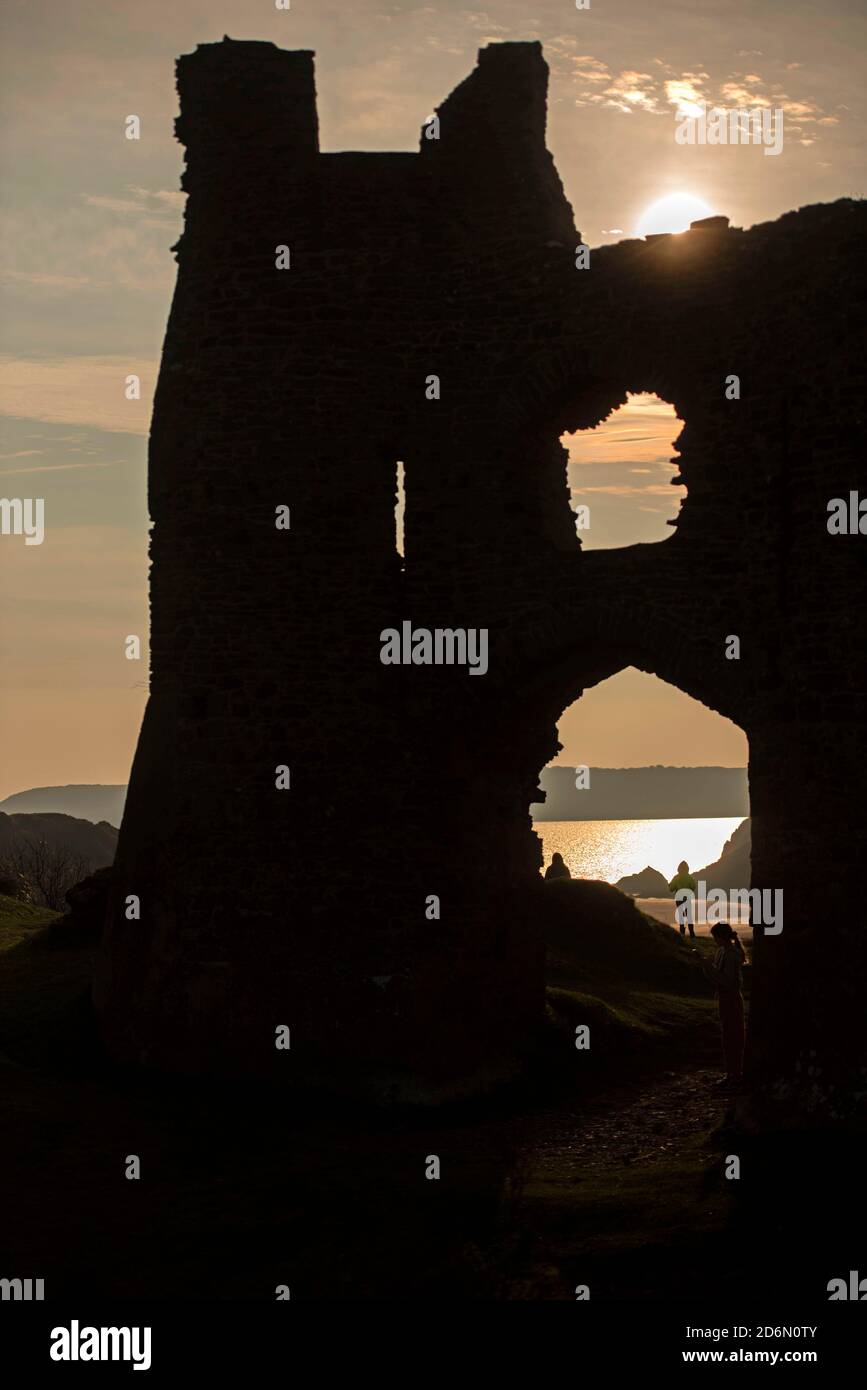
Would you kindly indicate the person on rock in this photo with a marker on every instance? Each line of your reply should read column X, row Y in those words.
column 557, row 868
column 725, row 974
column 682, row 884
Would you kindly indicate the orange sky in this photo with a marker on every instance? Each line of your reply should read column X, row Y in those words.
column 622, row 472
column 86, row 277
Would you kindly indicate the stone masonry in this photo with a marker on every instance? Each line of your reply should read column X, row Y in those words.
column 302, row 388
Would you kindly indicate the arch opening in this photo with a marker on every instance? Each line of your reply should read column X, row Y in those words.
column 645, row 777
column 624, row 484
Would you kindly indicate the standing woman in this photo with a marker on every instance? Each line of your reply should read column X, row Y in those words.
column 684, row 888
column 726, row 976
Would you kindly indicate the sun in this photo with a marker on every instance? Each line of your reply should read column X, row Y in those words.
column 672, row 214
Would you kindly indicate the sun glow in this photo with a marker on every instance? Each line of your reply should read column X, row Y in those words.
column 672, row 214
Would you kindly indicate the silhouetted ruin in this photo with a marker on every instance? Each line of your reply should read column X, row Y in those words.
column 302, row 388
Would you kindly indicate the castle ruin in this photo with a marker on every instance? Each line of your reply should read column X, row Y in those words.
column 302, row 389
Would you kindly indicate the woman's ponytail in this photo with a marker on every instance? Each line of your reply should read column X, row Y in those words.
column 736, row 941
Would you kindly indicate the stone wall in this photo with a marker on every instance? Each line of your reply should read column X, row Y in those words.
column 303, row 388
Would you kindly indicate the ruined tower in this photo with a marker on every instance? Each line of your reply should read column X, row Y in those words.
column 294, row 392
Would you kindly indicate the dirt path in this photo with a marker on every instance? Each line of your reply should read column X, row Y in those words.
column 646, row 1123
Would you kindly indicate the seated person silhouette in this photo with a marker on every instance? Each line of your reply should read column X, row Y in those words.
column 557, row 869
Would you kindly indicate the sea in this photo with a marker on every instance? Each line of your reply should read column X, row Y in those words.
column 611, row 849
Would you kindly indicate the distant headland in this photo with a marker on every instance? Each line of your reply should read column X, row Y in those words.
column 86, row 802
column 642, row 793
column 614, row 793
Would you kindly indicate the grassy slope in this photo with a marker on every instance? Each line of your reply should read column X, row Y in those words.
column 18, row 920
column 44, row 970
column 240, row 1194
column 619, row 1185
column 635, row 981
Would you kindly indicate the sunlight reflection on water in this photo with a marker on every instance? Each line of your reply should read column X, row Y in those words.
column 610, row 849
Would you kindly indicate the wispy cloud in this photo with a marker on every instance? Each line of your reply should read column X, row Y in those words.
column 160, row 207
column 629, row 454
column 78, row 391
column 116, row 242
column 688, row 92
column 54, row 468
column 52, row 281
column 627, row 490
column 631, row 91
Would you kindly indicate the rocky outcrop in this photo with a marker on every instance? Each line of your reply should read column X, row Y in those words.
column 650, row 883
column 733, row 868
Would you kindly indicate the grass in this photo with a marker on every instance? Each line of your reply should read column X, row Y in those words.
column 635, row 981
column 18, row 920
column 45, row 971
column 239, row 1194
